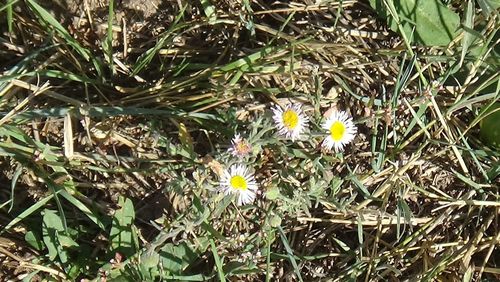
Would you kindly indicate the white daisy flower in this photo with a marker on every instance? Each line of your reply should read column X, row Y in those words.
column 240, row 147
column 290, row 121
column 341, row 130
column 239, row 181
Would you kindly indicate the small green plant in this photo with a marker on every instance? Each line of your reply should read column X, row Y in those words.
column 426, row 22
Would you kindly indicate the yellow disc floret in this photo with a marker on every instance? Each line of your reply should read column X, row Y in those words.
column 337, row 130
column 238, row 182
column 290, row 119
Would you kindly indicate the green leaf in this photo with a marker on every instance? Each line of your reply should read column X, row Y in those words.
column 275, row 221
column 150, row 259
column 107, row 45
column 251, row 59
column 490, row 132
column 342, row 245
column 426, row 22
column 209, row 10
column 52, row 224
column 66, row 241
column 109, row 112
column 31, row 276
column 273, row 193
column 175, row 258
column 149, row 267
column 34, row 240
column 122, row 232
column 354, row 179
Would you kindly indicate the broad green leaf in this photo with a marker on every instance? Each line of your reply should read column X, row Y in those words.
column 34, row 240
column 122, row 231
column 52, row 224
column 175, row 258
column 275, row 220
column 150, row 259
column 272, row 193
column 149, row 265
column 490, row 131
column 66, row 241
column 427, row 22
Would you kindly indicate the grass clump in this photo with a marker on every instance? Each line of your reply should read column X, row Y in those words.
column 242, row 140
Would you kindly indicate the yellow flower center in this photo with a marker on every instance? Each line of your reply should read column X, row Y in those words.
column 238, row 182
column 290, row 119
column 337, row 131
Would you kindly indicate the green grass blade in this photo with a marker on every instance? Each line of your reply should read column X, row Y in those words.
column 78, row 204
column 8, row 4
column 46, row 17
column 289, row 251
column 49, row 19
column 9, row 15
column 468, row 24
column 168, row 36
column 218, row 261
column 27, row 212
column 269, row 240
column 252, row 58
